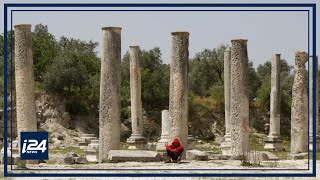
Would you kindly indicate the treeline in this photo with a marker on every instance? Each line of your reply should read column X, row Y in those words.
column 71, row 68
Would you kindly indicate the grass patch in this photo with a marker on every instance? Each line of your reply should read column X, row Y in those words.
column 124, row 146
column 209, row 146
column 67, row 149
column 21, row 165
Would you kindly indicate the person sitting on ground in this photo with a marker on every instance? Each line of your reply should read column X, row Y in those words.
column 174, row 151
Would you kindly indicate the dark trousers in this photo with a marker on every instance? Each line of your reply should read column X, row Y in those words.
column 174, row 156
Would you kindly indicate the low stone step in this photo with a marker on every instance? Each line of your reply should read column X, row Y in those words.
column 134, row 155
column 92, row 155
column 197, row 155
column 88, row 135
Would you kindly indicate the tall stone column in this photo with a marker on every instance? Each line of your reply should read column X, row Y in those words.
column 136, row 140
column 26, row 107
column 178, row 96
column 299, row 107
column 311, row 78
column 273, row 140
column 239, row 105
column 109, row 111
column 165, row 129
column 226, row 144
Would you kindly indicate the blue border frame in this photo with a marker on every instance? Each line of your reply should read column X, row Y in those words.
column 6, row 6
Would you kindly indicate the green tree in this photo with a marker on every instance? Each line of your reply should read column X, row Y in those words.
column 44, row 49
column 206, row 70
column 72, row 68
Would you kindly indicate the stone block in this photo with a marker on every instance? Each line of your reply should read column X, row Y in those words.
column 197, row 155
column 133, row 155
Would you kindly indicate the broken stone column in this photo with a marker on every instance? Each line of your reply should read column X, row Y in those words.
column 299, row 108
column 226, row 144
column 109, row 111
column 26, row 107
column 274, row 140
column 239, row 102
column 178, row 96
column 311, row 78
column 165, row 129
column 136, row 140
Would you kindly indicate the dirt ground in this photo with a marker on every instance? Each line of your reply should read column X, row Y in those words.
column 212, row 167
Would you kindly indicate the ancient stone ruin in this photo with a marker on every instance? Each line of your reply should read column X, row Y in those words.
column 178, row 96
column 25, row 101
column 273, row 140
column 136, row 140
column 299, row 108
column 226, row 144
column 109, row 110
column 239, row 101
column 174, row 121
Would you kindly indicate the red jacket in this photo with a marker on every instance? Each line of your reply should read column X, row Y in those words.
column 173, row 148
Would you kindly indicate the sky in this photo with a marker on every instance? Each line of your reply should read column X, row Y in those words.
column 267, row 32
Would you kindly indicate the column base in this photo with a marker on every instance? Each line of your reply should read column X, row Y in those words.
column 226, row 146
column 137, row 142
column 311, row 143
column 191, row 142
column 161, row 145
column 273, row 142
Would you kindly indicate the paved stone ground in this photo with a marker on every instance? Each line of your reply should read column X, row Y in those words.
column 160, row 167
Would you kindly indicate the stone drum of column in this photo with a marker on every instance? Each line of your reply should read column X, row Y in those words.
column 239, row 103
column 136, row 140
column 165, row 129
column 273, row 140
column 109, row 111
column 311, row 70
column 26, row 107
column 225, row 145
column 299, row 108
column 178, row 96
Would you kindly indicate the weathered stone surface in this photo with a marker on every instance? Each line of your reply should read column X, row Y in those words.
column 311, row 97
column 274, row 141
column 136, row 140
column 299, row 156
column 68, row 158
column 226, row 144
column 80, row 160
column 133, row 155
column 268, row 156
column 25, row 100
column 92, row 155
column 178, row 96
column 195, row 154
column 109, row 110
column 165, row 129
column 299, row 107
column 239, row 102
column 191, row 142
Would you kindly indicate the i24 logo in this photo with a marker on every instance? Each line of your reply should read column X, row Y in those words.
column 34, row 145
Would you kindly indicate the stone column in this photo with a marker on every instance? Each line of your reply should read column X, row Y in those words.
column 239, row 103
column 274, row 140
column 136, row 140
column 299, row 108
column 178, row 96
column 165, row 129
column 311, row 65
column 26, row 107
column 226, row 144
column 109, row 110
